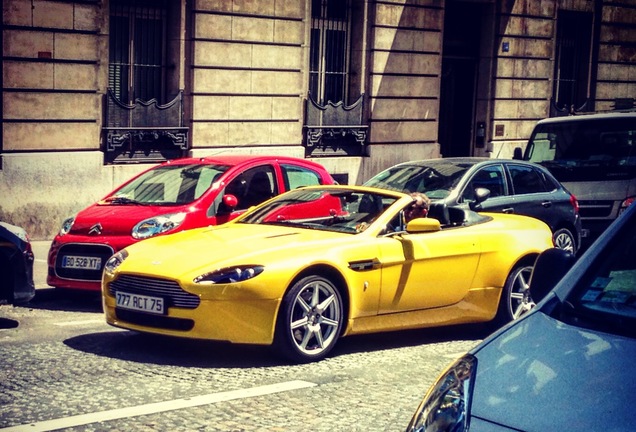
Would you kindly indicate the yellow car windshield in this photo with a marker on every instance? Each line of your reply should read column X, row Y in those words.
column 342, row 210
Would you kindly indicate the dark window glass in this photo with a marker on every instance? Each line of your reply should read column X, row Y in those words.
column 253, row 186
column 329, row 51
column 572, row 60
column 604, row 297
column 137, row 51
column 526, row 180
column 600, row 149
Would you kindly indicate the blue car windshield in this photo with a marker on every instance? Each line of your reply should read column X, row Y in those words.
column 168, row 185
column 608, row 291
column 329, row 209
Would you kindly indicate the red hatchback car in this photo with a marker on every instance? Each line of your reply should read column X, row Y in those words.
column 174, row 196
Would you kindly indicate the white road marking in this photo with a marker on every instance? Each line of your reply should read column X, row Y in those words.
column 158, row 407
column 73, row 323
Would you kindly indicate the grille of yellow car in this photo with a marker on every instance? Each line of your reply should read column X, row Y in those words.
column 167, row 289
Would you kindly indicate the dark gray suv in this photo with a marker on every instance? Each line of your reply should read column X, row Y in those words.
column 515, row 187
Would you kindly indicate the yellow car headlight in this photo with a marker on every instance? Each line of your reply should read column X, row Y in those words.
column 231, row 274
column 115, row 261
column 446, row 406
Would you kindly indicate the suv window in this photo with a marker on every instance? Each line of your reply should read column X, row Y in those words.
column 527, row 180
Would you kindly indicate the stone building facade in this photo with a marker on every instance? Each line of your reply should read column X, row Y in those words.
column 93, row 91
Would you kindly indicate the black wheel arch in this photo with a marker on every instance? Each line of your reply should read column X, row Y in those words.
column 568, row 226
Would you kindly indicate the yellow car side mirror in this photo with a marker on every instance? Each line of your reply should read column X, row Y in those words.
column 421, row 225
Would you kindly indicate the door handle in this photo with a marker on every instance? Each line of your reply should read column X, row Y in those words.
column 546, row 204
column 508, row 210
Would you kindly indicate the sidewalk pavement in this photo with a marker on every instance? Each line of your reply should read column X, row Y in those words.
column 40, row 268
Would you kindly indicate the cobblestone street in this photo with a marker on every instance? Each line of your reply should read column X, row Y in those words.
column 62, row 361
column 63, row 368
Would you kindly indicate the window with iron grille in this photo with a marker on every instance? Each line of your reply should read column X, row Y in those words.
column 330, row 48
column 334, row 110
column 137, row 50
column 144, row 108
column 572, row 60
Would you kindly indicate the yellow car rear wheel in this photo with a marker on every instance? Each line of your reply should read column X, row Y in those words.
column 515, row 298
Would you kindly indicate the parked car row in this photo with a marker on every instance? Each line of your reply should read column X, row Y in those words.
column 191, row 193
column 244, row 240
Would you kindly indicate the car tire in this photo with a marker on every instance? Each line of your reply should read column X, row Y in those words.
column 564, row 239
column 310, row 320
column 515, row 299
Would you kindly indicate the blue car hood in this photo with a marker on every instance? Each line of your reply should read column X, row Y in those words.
column 542, row 374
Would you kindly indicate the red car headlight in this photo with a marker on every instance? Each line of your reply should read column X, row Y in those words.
column 157, row 225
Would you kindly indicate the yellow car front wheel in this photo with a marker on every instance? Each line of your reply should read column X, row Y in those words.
column 310, row 320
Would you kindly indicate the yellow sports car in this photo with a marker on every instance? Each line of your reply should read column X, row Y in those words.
column 317, row 263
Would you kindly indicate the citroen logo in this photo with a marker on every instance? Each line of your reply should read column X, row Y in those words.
column 95, row 229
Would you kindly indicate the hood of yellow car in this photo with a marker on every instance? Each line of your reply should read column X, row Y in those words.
column 200, row 249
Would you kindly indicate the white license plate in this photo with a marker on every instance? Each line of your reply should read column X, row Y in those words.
column 81, row 262
column 140, row 302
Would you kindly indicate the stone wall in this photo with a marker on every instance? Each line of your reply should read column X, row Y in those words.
column 51, row 103
column 247, row 82
column 617, row 54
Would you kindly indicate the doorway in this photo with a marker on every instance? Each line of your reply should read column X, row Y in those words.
column 463, row 23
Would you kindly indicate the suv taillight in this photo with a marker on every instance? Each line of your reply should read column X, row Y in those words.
column 575, row 203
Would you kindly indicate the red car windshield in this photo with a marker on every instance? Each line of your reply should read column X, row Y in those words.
column 169, row 185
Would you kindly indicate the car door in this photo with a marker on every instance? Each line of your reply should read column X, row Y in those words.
column 427, row 270
column 533, row 195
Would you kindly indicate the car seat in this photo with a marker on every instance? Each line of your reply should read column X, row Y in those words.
column 439, row 211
